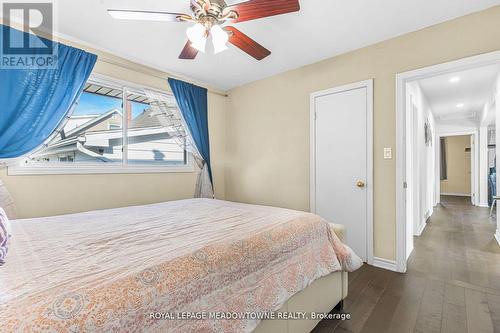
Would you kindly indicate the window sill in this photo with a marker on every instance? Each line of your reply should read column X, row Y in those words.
column 96, row 169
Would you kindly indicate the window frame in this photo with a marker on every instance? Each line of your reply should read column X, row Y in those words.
column 99, row 168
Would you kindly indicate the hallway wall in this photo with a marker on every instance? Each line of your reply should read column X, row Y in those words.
column 421, row 161
column 486, row 154
column 458, row 166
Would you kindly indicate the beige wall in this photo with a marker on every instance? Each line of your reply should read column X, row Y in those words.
column 45, row 195
column 260, row 135
column 268, row 121
column 458, row 163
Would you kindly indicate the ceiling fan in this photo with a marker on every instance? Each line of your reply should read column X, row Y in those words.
column 210, row 16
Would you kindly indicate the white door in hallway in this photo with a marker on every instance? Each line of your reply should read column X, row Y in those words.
column 341, row 161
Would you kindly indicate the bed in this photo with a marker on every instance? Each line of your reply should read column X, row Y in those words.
column 191, row 265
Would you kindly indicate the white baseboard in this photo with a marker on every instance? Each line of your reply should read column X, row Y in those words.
column 420, row 229
column 483, row 204
column 385, row 264
column 457, row 194
column 497, row 237
column 423, row 223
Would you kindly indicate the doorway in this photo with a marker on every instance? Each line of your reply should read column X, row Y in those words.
column 456, row 167
column 459, row 109
column 342, row 161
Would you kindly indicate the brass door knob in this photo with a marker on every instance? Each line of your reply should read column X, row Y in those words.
column 360, row 183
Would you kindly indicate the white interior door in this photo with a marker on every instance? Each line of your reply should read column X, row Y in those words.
column 342, row 165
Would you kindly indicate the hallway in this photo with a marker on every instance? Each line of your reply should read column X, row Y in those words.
column 452, row 283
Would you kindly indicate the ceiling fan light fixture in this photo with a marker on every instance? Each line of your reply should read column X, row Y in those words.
column 219, row 38
column 197, row 35
column 208, row 17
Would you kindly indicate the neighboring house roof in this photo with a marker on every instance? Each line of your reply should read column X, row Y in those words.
column 143, row 128
column 91, row 123
column 145, row 119
column 90, row 153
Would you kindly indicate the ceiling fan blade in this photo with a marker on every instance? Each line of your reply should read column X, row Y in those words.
column 147, row 15
column 246, row 44
column 234, row 2
column 188, row 52
column 256, row 9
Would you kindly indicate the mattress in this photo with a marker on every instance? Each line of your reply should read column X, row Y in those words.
column 191, row 265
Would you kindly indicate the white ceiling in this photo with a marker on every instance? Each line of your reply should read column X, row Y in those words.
column 474, row 90
column 322, row 29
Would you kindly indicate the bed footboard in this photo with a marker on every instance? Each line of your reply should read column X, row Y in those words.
column 322, row 296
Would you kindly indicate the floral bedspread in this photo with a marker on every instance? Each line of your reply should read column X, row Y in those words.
column 181, row 266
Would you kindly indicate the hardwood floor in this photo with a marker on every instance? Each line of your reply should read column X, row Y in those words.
column 452, row 283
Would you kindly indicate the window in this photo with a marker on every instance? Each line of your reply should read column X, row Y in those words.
column 115, row 127
column 152, row 134
column 93, row 132
column 65, row 158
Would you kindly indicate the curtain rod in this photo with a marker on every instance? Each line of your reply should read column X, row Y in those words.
column 117, row 63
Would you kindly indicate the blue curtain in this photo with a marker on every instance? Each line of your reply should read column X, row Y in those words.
column 192, row 101
column 33, row 102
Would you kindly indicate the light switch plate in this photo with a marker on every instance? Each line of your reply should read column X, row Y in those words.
column 387, row 153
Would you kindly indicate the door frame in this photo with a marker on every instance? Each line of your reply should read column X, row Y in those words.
column 368, row 84
column 474, row 160
column 402, row 79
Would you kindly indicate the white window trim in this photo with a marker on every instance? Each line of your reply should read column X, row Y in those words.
column 96, row 168
column 45, row 169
